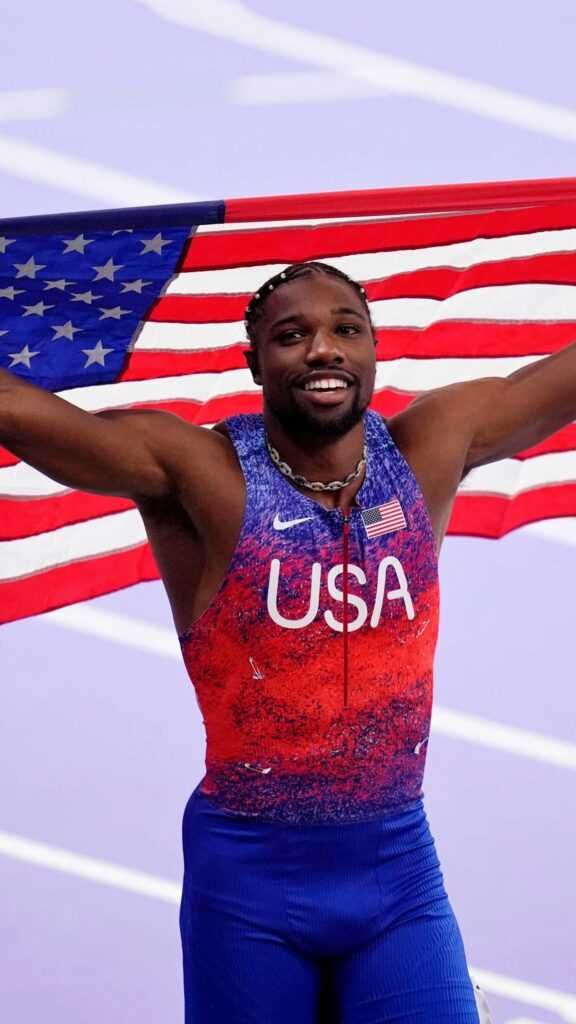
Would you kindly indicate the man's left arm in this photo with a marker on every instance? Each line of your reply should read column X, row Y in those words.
column 510, row 414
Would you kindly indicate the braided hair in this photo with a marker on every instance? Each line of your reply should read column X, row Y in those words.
column 255, row 308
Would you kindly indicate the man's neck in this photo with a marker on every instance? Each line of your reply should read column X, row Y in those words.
column 320, row 458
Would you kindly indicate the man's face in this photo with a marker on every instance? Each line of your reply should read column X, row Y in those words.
column 315, row 332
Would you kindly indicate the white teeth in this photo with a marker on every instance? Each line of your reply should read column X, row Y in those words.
column 325, row 384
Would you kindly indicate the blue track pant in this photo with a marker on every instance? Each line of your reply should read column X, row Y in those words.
column 318, row 924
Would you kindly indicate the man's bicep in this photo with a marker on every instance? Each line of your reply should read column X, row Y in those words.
column 105, row 453
column 447, row 425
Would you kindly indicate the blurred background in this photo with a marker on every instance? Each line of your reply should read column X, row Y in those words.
column 132, row 102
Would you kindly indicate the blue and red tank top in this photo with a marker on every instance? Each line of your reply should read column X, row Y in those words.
column 313, row 663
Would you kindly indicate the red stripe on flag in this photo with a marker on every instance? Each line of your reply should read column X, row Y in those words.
column 442, row 282
column 422, row 199
column 473, row 339
column 150, row 364
column 21, row 518
column 199, row 309
column 7, row 458
column 78, row 581
column 491, row 516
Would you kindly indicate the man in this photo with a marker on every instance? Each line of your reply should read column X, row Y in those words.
column 299, row 553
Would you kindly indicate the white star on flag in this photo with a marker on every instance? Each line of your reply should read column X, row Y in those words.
column 10, row 293
column 154, row 244
column 107, row 270
column 66, row 330
column 96, row 355
column 38, row 310
column 88, row 297
column 24, row 356
column 5, row 242
column 77, row 244
column 29, row 269
column 135, row 286
column 61, row 284
column 112, row 314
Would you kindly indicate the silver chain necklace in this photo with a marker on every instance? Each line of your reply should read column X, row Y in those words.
column 315, row 485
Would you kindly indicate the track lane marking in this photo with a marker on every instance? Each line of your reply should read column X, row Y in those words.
column 32, row 104
column 300, row 87
column 32, row 162
column 227, row 19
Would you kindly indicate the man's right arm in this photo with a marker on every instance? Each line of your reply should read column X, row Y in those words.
column 128, row 453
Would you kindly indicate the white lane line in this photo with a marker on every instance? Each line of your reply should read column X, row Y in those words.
column 508, row 738
column 25, row 104
column 114, row 875
column 120, row 629
column 300, row 87
column 235, row 21
column 123, row 629
column 55, row 858
column 84, row 178
column 524, row 992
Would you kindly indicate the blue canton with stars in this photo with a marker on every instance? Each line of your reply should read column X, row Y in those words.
column 72, row 301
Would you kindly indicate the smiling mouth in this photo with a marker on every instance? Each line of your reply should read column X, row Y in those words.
column 330, row 384
column 330, row 393
column 327, row 385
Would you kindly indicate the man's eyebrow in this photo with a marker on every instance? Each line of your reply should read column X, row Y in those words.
column 302, row 316
column 348, row 309
column 287, row 320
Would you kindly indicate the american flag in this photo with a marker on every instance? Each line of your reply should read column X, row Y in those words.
column 386, row 518
column 144, row 307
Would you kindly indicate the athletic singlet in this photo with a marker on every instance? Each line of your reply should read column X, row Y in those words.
column 313, row 663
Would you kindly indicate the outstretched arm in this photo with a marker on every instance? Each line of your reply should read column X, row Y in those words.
column 519, row 411
column 129, row 453
column 472, row 424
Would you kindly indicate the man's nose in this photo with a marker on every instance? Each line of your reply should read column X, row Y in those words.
column 323, row 347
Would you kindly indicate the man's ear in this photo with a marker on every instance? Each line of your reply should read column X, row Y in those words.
column 251, row 357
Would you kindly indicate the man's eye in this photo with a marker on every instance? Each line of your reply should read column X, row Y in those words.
column 348, row 329
column 287, row 336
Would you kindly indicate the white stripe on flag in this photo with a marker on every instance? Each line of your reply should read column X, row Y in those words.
column 118, row 532
column 512, row 476
column 175, row 337
column 519, row 302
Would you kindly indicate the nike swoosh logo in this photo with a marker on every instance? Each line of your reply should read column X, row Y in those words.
column 278, row 524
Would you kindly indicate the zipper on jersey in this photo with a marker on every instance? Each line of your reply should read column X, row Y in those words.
column 345, row 543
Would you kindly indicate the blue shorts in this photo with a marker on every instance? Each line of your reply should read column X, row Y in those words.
column 306, row 924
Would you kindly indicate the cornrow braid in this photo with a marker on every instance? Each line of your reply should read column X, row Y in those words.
column 255, row 307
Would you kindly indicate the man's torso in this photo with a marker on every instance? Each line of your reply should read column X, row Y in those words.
column 194, row 538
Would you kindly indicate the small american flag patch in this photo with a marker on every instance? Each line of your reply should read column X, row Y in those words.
column 384, row 518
